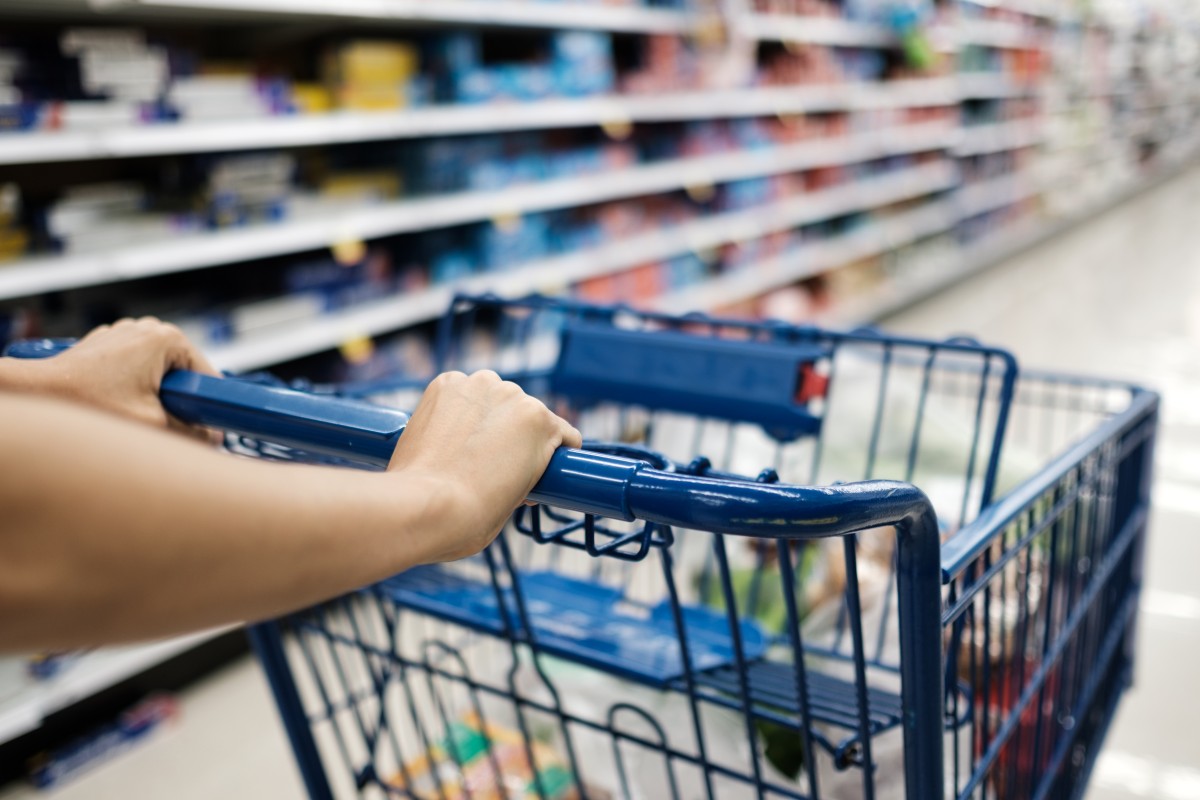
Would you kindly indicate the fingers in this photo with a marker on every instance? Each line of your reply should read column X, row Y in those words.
column 571, row 437
column 119, row 368
column 177, row 350
column 182, row 354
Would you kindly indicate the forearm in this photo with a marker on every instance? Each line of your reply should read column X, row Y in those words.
column 146, row 534
column 28, row 376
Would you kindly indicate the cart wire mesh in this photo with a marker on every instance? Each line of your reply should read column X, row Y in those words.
column 583, row 656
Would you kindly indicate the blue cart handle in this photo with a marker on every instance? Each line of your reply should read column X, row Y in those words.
column 580, row 480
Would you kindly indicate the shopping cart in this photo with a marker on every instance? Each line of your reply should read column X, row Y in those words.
column 723, row 599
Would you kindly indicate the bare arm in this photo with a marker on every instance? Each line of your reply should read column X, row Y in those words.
column 113, row 531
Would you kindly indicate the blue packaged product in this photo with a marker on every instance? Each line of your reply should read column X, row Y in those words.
column 353, row 294
column 218, row 326
column 451, row 265
column 514, row 242
column 19, row 116
column 581, row 47
column 497, row 173
column 476, row 86
column 421, row 91
column 582, row 63
column 489, row 176
column 573, row 235
column 456, row 52
column 448, row 57
column 577, row 82
column 749, row 134
column 444, row 165
column 524, row 82
column 744, row 194
column 686, row 270
column 322, row 274
column 570, row 163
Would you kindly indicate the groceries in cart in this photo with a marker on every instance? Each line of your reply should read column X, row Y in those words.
column 488, row 762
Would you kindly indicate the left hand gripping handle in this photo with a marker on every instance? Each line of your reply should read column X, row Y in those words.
column 329, row 426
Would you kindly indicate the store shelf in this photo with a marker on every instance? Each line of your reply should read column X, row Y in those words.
column 194, row 251
column 518, row 13
column 814, row 30
column 995, row 33
column 92, row 673
column 749, row 282
column 348, row 127
column 997, row 137
column 554, row 274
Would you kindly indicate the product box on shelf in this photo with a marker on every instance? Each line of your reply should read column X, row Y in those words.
column 371, row 75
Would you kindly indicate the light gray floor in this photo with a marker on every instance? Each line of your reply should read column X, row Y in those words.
column 1120, row 296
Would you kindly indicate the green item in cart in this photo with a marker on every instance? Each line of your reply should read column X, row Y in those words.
column 758, row 591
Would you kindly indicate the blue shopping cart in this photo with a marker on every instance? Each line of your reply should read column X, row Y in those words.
column 721, row 596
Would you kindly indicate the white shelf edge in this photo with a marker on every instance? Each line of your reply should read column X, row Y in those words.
column 92, row 673
column 396, row 313
column 195, row 251
column 300, row 130
column 522, row 13
column 994, row 33
column 813, row 30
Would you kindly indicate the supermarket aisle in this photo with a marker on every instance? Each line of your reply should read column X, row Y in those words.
column 1120, row 296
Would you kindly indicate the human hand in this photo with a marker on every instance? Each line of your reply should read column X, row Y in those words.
column 486, row 444
column 120, row 367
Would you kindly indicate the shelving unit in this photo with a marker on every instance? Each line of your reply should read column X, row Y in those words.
column 195, row 251
column 23, row 711
column 901, row 208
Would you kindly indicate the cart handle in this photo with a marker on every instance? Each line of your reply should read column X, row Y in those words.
column 580, row 480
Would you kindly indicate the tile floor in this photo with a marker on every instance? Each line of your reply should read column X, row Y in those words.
column 1119, row 296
